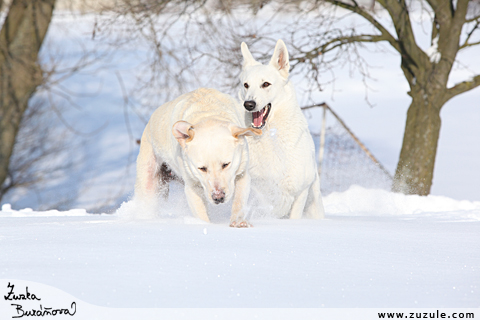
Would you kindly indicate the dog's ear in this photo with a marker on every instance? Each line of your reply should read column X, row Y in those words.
column 240, row 132
column 280, row 60
column 183, row 132
column 248, row 59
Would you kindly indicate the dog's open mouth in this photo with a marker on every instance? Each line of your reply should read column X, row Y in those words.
column 259, row 118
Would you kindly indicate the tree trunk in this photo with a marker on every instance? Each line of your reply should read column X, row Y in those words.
column 414, row 172
column 21, row 37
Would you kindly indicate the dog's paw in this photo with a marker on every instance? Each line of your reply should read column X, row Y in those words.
column 241, row 224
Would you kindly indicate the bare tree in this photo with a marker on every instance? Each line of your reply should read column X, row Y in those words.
column 41, row 156
column 49, row 148
column 21, row 38
column 454, row 25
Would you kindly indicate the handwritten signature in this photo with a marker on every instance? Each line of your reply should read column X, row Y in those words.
column 39, row 312
column 12, row 296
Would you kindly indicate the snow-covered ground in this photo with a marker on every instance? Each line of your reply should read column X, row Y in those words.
column 375, row 249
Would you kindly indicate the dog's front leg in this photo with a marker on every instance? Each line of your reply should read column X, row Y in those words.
column 196, row 202
column 146, row 184
column 314, row 206
column 298, row 205
column 242, row 191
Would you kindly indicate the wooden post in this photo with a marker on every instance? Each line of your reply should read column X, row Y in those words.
column 322, row 143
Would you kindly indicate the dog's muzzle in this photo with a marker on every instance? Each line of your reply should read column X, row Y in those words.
column 259, row 118
column 218, row 196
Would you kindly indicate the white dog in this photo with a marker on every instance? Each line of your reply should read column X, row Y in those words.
column 198, row 137
column 283, row 166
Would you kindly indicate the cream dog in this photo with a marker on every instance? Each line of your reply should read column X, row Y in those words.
column 283, row 166
column 198, row 137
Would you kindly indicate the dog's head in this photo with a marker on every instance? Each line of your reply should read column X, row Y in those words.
column 263, row 84
column 214, row 154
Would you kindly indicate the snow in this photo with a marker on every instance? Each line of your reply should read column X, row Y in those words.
column 358, row 201
column 375, row 249
column 7, row 211
column 433, row 53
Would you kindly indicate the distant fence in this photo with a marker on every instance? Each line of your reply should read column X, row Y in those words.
column 343, row 160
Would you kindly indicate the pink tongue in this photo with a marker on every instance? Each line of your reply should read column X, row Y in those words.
column 258, row 118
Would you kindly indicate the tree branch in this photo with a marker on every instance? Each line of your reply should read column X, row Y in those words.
column 476, row 18
column 463, row 87
column 461, row 12
column 335, row 43
column 433, row 4
column 10, row 26
column 401, row 19
column 469, row 35
column 357, row 9
column 449, row 40
column 442, row 10
column 412, row 55
column 466, row 45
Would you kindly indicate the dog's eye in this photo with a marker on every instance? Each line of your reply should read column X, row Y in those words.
column 204, row 169
column 246, row 85
column 266, row 84
column 225, row 165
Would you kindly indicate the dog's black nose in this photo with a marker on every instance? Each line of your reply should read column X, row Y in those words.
column 218, row 196
column 219, row 200
column 249, row 105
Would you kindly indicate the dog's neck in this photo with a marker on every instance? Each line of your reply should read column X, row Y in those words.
column 285, row 108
